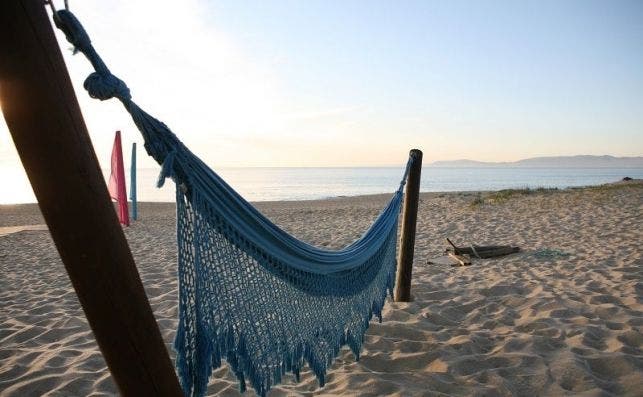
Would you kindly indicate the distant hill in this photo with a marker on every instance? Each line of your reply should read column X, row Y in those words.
column 582, row 161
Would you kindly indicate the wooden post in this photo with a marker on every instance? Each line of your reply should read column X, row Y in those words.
column 407, row 239
column 47, row 127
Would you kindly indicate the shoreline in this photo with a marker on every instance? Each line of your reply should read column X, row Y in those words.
column 632, row 182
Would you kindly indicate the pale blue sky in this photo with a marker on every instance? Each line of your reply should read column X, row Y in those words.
column 408, row 55
column 486, row 80
column 358, row 83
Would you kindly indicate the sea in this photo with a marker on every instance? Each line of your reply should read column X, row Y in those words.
column 277, row 184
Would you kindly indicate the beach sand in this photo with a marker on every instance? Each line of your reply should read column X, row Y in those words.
column 562, row 317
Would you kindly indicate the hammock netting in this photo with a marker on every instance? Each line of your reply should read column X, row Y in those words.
column 249, row 292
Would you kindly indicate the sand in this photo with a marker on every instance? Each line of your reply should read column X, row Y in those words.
column 562, row 317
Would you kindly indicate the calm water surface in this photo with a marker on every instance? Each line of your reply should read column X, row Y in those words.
column 266, row 184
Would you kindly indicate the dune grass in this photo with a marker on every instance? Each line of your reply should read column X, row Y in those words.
column 501, row 196
column 505, row 194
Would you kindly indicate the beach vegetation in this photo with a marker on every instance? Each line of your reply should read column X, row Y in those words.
column 503, row 195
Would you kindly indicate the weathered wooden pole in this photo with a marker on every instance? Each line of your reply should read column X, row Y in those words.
column 407, row 239
column 44, row 118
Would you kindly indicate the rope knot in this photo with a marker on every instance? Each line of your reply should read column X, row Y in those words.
column 105, row 86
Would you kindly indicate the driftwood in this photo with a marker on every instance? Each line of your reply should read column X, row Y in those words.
column 460, row 260
column 482, row 251
column 450, row 259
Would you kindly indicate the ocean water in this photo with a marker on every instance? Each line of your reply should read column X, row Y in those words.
column 269, row 184
column 273, row 184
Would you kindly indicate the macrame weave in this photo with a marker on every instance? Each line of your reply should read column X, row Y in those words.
column 249, row 292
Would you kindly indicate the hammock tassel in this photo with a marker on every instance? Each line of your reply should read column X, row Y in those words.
column 167, row 169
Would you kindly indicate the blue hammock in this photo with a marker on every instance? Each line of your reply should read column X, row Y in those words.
column 249, row 292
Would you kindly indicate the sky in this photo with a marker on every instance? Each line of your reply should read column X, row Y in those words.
column 359, row 83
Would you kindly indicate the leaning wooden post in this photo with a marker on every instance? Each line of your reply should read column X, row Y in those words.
column 44, row 118
column 407, row 239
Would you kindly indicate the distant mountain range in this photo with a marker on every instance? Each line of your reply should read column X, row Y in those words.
column 582, row 161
